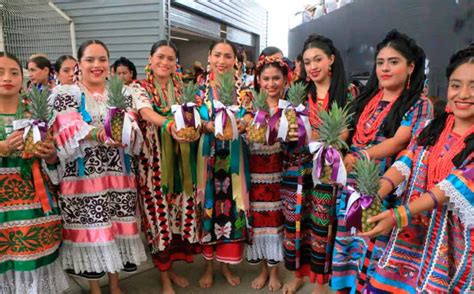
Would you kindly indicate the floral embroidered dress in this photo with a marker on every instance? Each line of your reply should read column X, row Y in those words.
column 433, row 254
column 223, row 182
column 97, row 190
column 169, row 215
column 354, row 257
column 30, row 230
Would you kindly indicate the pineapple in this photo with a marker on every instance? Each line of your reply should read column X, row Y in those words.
column 39, row 111
column 296, row 96
column 333, row 123
column 367, row 179
column 226, row 91
column 189, row 95
column 255, row 133
column 117, row 100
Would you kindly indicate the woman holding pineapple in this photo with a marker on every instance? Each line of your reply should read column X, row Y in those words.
column 431, row 247
column 223, row 177
column 167, row 192
column 30, row 226
column 309, row 209
column 387, row 114
column 266, row 233
column 96, row 137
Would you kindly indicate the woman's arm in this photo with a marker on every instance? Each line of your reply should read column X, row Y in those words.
column 151, row 116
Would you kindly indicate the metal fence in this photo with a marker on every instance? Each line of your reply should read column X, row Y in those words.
column 33, row 26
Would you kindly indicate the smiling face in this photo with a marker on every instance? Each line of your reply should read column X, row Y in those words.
column 94, row 64
column 461, row 92
column 272, row 81
column 36, row 74
column 66, row 72
column 11, row 78
column 392, row 69
column 163, row 61
column 221, row 58
column 317, row 64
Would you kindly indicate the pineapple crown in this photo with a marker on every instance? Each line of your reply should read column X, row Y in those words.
column 367, row 177
column 333, row 123
column 39, row 107
column 116, row 93
column 226, row 87
column 259, row 100
column 189, row 92
column 297, row 94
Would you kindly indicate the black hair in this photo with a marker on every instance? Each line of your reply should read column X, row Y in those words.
column 162, row 43
column 123, row 61
column 408, row 48
column 85, row 44
column 14, row 58
column 269, row 51
column 338, row 87
column 258, row 72
column 59, row 62
column 197, row 72
column 431, row 133
column 40, row 61
column 299, row 58
column 223, row 41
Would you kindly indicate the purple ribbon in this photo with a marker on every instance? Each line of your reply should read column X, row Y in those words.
column 354, row 212
column 42, row 127
column 301, row 127
column 272, row 126
column 112, row 111
column 188, row 122
column 260, row 117
column 333, row 157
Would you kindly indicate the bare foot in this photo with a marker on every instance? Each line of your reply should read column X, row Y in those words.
column 321, row 289
column 274, row 284
column 179, row 281
column 117, row 290
column 293, row 286
column 260, row 281
column 231, row 278
column 207, row 279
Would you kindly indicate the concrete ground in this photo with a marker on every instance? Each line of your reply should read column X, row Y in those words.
column 147, row 280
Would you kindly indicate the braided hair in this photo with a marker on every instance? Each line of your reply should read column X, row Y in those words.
column 408, row 48
column 338, row 88
column 431, row 133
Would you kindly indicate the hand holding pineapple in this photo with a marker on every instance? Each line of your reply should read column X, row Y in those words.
column 257, row 129
column 186, row 116
column 14, row 142
column 225, row 122
column 293, row 110
column 46, row 151
column 381, row 224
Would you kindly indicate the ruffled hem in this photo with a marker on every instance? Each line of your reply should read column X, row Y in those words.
column 69, row 137
column 266, row 247
column 46, row 279
column 106, row 257
column 458, row 203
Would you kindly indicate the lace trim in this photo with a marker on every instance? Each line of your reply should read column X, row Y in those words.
column 266, row 206
column 403, row 169
column 266, row 247
column 265, row 178
column 30, row 222
column 46, row 279
column 9, row 170
column 107, row 257
column 261, row 149
column 458, row 203
column 71, row 149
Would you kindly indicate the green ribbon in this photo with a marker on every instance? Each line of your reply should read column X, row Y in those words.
column 167, row 162
column 186, row 168
column 28, row 265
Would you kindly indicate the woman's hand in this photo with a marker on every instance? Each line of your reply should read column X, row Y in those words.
column 209, row 127
column 241, row 126
column 46, row 151
column 349, row 162
column 384, row 226
column 109, row 142
column 14, row 142
column 174, row 134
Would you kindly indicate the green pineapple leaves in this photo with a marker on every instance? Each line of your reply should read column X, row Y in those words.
column 39, row 107
column 333, row 123
column 189, row 93
column 260, row 100
column 367, row 177
column 116, row 93
column 226, row 87
column 297, row 94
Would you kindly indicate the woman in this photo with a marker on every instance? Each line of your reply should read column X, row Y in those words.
column 432, row 251
column 387, row 115
column 266, row 232
column 222, row 176
column 30, row 226
column 168, row 212
column 40, row 71
column 310, row 254
column 125, row 69
column 97, row 190
column 65, row 67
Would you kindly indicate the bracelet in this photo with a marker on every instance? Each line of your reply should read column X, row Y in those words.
column 403, row 216
column 397, row 217
column 366, row 154
column 390, row 182
column 94, row 135
column 166, row 123
column 408, row 212
column 393, row 216
column 170, row 126
column 433, row 197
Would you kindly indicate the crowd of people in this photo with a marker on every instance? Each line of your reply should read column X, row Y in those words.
column 72, row 206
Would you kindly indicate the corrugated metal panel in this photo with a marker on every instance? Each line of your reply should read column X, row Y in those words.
column 195, row 23
column 239, row 36
column 128, row 28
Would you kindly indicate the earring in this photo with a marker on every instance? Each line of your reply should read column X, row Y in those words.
column 408, row 81
column 330, row 71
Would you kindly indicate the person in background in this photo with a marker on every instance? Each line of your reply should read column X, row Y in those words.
column 65, row 67
column 40, row 71
column 125, row 69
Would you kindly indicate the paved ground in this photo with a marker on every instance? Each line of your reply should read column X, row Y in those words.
column 146, row 280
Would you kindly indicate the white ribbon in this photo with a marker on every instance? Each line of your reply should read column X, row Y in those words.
column 283, row 128
column 177, row 111
column 219, row 121
column 27, row 124
column 317, row 148
column 127, row 129
column 355, row 195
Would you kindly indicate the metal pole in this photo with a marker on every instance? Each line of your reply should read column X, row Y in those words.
column 2, row 40
column 72, row 28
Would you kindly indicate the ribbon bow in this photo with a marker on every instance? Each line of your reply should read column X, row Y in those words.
column 223, row 231
column 327, row 156
column 222, row 113
column 39, row 128
column 304, row 127
column 356, row 203
column 260, row 118
column 181, row 120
